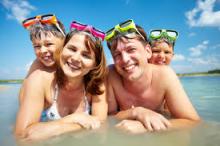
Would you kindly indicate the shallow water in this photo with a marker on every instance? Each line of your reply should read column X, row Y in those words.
column 204, row 93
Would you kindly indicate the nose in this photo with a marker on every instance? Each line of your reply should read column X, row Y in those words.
column 76, row 57
column 43, row 50
column 161, row 54
column 125, row 57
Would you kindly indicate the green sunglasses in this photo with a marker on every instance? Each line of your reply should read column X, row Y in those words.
column 127, row 28
column 170, row 35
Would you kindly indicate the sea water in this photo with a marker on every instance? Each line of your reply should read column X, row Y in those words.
column 203, row 91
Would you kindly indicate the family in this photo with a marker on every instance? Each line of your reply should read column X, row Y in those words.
column 70, row 87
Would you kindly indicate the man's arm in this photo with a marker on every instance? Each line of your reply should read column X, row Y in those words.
column 178, row 103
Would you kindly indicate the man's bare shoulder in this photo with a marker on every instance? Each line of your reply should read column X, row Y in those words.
column 162, row 70
column 113, row 77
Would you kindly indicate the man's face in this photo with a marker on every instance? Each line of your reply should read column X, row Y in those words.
column 130, row 58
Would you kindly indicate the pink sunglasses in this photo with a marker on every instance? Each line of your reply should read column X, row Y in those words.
column 83, row 27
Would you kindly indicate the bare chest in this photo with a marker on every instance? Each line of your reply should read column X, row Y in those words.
column 149, row 98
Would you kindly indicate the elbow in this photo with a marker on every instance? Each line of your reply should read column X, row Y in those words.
column 26, row 134
column 20, row 134
column 196, row 119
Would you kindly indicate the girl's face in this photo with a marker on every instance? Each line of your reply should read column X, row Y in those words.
column 162, row 53
column 45, row 47
column 76, row 60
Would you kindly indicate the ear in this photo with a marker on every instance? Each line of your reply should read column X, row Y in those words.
column 149, row 52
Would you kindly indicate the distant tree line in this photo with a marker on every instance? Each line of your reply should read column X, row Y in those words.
column 214, row 71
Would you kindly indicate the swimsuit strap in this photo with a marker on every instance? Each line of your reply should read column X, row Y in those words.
column 87, row 106
column 56, row 90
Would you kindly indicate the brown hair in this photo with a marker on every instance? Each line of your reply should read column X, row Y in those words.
column 154, row 42
column 95, row 77
column 37, row 29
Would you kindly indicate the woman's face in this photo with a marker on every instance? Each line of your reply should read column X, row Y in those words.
column 77, row 60
column 45, row 47
column 162, row 53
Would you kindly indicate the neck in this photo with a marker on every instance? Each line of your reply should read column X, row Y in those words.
column 74, row 84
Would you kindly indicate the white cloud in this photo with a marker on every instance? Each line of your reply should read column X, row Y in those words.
column 198, row 61
column 208, row 61
column 17, row 9
column 178, row 57
column 197, row 50
column 203, row 14
column 182, row 68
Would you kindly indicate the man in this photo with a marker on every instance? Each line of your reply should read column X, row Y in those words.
column 138, row 89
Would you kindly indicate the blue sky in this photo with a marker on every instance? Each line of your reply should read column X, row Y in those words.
column 198, row 23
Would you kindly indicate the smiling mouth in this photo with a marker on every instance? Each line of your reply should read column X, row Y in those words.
column 161, row 62
column 47, row 58
column 73, row 66
column 129, row 68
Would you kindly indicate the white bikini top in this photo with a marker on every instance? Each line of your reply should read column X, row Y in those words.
column 52, row 112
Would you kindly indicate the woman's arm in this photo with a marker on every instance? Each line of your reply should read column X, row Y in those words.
column 100, row 105
column 178, row 103
column 28, row 123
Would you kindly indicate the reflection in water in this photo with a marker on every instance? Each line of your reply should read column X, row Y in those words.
column 205, row 134
column 204, row 93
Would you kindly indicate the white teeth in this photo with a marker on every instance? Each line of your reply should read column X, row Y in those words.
column 129, row 68
column 161, row 62
column 47, row 58
column 74, row 67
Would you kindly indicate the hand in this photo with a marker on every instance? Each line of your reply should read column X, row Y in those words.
column 151, row 120
column 86, row 121
column 132, row 126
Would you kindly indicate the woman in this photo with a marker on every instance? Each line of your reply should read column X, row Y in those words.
column 68, row 95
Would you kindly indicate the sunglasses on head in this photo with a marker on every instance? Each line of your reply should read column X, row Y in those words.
column 127, row 28
column 170, row 35
column 87, row 28
column 43, row 19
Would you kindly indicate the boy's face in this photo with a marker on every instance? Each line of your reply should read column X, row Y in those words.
column 130, row 58
column 162, row 53
column 45, row 47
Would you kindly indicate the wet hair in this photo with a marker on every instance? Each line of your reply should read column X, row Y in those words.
column 144, row 41
column 95, row 77
column 38, row 29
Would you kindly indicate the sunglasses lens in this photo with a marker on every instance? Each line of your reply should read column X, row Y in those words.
column 78, row 25
column 155, row 33
column 46, row 17
column 131, row 35
column 28, row 22
column 110, row 31
column 172, row 34
column 125, row 24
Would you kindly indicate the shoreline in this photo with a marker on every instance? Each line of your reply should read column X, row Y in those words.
column 19, row 81
column 198, row 75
